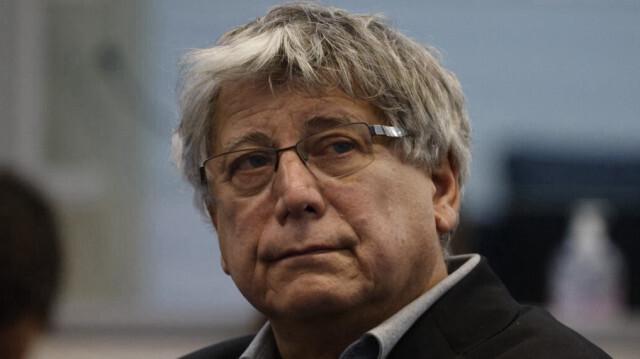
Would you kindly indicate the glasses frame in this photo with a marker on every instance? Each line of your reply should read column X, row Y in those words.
column 374, row 130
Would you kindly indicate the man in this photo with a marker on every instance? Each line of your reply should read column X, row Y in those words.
column 330, row 153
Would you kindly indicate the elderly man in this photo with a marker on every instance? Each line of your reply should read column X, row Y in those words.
column 330, row 153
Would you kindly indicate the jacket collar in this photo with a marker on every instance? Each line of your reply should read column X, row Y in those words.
column 475, row 309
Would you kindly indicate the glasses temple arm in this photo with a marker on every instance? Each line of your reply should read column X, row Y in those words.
column 388, row 131
column 203, row 175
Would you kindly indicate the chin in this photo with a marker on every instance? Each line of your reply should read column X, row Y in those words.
column 307, row 302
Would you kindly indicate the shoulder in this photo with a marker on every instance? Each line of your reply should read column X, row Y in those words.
column 231, row 349
column 478, row 318
column 508, row 329
column 534, row 333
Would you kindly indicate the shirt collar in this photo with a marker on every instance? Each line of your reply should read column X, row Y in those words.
column 263, row 346
column 391, row 330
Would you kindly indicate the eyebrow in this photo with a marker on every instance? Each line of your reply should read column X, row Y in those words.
column 319, row 123
column 254, row 139
column 260, row 139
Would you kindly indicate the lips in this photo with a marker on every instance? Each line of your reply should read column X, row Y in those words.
column 274, row 254
column 306, row 251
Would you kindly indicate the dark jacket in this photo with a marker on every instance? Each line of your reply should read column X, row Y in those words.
column 477, row 318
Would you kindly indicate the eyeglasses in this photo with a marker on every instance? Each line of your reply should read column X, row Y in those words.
column 332, row 153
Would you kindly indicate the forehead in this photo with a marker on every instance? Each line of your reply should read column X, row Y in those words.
column 281, row 113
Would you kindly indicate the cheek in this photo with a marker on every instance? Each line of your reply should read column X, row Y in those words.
column 391, row 214
column 395, row 200
column 240, row 225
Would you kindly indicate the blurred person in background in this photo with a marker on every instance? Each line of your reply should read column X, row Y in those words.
column 29, row 264
column 331, row 152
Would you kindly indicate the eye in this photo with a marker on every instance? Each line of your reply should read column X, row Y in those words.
column 252, row 161
column 343, row 146
column 332, row 145
column 337, row 145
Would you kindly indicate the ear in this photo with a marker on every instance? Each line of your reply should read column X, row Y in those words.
column 214, row 220
column 446, row 197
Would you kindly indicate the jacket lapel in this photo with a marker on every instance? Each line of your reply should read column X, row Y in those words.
column 474, row 310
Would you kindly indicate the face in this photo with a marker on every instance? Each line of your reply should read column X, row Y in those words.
column 365, row 244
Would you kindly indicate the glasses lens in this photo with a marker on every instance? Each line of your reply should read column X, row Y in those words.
column 248, row 171
column 339, row 151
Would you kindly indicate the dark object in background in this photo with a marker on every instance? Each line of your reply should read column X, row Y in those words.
column 543, row 188
column 29, row 264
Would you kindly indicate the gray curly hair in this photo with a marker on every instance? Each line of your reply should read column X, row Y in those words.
column 311, row 48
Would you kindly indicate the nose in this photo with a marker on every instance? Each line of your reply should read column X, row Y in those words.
column 280, row 151
column 297, row 190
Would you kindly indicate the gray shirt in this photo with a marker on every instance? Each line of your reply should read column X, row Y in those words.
column 378, row 342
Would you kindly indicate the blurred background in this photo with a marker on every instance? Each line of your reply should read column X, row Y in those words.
column 88, row 105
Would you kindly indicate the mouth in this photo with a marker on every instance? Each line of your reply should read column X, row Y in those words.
column 307, row 251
